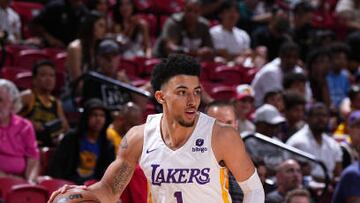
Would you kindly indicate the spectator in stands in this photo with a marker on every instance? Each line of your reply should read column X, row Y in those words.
column 295, row 82
column 19, row 155
column 273, row 35
column 43, row 109
column 312, row 138
column 294, row 114
column 351, row 102
column 224, row 112
column 10, row 24
column 210, row 8
column 270, row 77
column 337, row 79
column 318, row 65
column 268, row 120
column 349, row 11
column 353, row 41
column 107, row 57
column 288, row 177
column 59, row 22
column 186, row 32
column 244, row 103
column 131, row 31
column 248, row 20
column 302, row 31
column 298, row 196
column 124, row 118
column 348, row 189
column 101, row 6
column 81, row 52
column 230, row 42
column 275, row 98
column 84, row 153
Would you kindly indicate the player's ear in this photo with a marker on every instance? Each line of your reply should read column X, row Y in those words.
column 159, row 96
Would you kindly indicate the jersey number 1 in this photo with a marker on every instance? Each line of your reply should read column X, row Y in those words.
column 178, row 197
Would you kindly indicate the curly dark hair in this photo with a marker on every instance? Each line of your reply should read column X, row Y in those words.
column 175, row 64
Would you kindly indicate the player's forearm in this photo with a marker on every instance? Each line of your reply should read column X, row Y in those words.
column 253, row 189
column 115, row 179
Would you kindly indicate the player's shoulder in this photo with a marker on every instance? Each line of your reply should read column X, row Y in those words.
column 136, row 132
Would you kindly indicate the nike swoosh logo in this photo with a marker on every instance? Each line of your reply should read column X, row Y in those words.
column 148, row 150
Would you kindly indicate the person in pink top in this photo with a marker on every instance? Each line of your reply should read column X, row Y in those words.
column 18, row 147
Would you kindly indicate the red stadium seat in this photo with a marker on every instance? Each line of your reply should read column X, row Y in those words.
column 130, row 67
column 53, row 184
column 168, row 6
column 59, row 61
column 249, row 74
column 21, row 77
column 27, row 58
column 207, row 69
column 6, row 183
column 227, row 75
column 26, row 193
column 143, row 5
column 223, row 92
column 146, row 65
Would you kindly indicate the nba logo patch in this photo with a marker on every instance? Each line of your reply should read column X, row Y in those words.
column 199, row 142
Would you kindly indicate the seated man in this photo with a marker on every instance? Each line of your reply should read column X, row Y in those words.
column 288, row 177
column 107, row 58
column 19, row 155
column 41, row 108
column 185, row 32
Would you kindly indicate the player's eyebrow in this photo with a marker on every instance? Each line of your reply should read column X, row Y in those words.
column 185, row 87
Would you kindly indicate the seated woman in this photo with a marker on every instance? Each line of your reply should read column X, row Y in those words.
column 19, row 155
column 84, row 153
column 130, row 30
column 81, row 51
column 42, row 108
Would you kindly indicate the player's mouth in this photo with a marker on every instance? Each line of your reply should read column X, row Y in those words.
column 190, row 113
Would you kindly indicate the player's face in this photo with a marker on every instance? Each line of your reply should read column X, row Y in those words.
column 180, row 98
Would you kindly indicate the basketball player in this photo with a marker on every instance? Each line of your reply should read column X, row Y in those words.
column 184, row 153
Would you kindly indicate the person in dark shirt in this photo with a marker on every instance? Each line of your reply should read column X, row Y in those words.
column 59, row 21
column 85, row 153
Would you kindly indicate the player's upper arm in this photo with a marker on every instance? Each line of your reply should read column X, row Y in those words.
column 229, row 147
column 131, row 144
column 119, row 173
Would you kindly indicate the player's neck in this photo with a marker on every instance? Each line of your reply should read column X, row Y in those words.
column 173, row 134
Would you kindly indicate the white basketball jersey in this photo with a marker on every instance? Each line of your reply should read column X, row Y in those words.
column 190, row 174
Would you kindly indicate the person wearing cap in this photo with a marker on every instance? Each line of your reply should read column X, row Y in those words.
column 107, row 58
column 243, row 102
column 84, row 153
column 348, row 189
column 313, row 139
column 267, row 120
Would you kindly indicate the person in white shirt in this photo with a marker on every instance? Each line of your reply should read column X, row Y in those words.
column 229, row 41
column 313, row 139
column 9, row 22
column 270, row 77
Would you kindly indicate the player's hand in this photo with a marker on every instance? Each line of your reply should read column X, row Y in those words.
column 65, row 188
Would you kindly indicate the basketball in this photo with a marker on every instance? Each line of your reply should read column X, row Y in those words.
column 76, row 196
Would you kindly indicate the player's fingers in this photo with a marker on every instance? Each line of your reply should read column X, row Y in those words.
column 53, row 195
